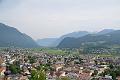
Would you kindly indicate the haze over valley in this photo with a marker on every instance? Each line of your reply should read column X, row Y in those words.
column 12, row 37
column 59, row 39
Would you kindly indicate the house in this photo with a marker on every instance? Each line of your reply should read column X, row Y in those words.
column 23, row 78
column 2, row 70
column 106, row 78
column 103, row 78
column 118, row 78
column 84, row 76
column 58, row 65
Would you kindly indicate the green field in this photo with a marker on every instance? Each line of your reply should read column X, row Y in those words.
column 49, row 51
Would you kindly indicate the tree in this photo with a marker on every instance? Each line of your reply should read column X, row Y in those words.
column 94, row 79
column 113, row 74
column 38, row 75
column 64, row 78
column 111, row 66
column 95, row 73
column 96, row 63
column 31, row 59
column 14, row 68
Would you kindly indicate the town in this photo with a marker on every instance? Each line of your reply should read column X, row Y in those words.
column 59, row 39
column 28, row 64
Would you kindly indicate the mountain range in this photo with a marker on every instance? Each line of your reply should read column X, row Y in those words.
column 105, row 38
column 53, row 42
column 10, row 36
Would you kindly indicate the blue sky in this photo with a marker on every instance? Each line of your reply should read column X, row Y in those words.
column 53, row 18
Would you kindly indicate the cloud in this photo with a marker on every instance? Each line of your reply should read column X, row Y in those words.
column 51, row 18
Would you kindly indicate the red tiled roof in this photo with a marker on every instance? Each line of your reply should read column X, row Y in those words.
column 2, row 68
column 84, row 76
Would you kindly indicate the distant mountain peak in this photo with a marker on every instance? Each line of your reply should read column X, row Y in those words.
column 53, row 42
column 10, row 36
column 107, row 37
column 105, row 31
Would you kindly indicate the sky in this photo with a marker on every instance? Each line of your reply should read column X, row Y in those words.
column 53, row 18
